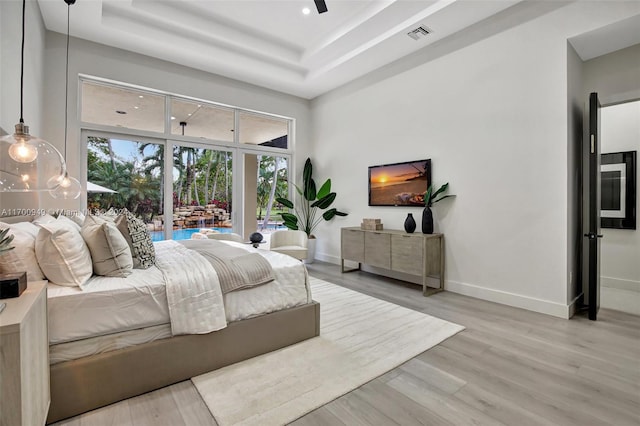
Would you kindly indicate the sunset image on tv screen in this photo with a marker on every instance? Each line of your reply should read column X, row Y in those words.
column 401, row 184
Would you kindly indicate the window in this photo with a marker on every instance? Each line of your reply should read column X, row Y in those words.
column 272, row 183
column 176, row 183
column 202, row 188
column 263, row 130
column 198, row 119
column 122, row 107
column 127, row 173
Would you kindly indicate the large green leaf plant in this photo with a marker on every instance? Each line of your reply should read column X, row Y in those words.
column 306, row 214
column 5, row 241
column 430, row 197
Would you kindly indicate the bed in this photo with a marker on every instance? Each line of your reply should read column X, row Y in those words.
column 115, row 337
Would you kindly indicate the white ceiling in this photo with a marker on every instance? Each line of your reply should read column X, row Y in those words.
column 271, row 43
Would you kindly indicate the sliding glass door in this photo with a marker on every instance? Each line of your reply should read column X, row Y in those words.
column 126, row 173
column 202, row 189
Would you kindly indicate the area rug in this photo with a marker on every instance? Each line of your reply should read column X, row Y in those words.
column 360, row 339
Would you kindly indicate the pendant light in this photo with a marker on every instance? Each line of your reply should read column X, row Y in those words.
column 69, row 187
column 28, row 163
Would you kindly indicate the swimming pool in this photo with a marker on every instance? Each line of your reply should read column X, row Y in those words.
column 184, row 234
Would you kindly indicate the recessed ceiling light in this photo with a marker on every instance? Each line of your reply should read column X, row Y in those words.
column 173, row 118
column 141, row 96
column 306, row 11
column 135, row 107
column 121, row 112
column 189, row 114
column 199, row 106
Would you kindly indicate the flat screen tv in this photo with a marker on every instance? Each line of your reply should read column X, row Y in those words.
column 399, row 184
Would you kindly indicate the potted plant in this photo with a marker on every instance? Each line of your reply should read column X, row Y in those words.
column 430, row 198
column 5, row 241
column 313, row 207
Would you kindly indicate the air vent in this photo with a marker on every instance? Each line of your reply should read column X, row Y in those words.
column 419, row 32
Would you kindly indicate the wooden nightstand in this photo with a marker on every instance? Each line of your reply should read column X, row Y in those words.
column 24, row 358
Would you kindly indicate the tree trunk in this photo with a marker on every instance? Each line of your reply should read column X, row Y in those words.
column 111, row 155
column 207, row 194
column 226, row 179
column 189, row 179
column 272, row 194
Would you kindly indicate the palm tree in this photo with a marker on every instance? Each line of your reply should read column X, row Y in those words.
column 103, row 145
column 154, row 165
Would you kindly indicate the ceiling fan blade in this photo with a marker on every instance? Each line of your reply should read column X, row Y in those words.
column 321, row 6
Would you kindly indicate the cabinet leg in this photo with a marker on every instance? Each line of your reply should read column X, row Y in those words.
column 428, row 291
column 349, row 270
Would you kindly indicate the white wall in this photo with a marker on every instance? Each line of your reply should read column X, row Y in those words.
column 575, row 113
column 115, row 64
column 614, row 76
column 621, row 247
column 493, row 117
column 10, row 38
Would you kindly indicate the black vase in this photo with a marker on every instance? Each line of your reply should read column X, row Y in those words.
column 409, row 224
column 427, row 221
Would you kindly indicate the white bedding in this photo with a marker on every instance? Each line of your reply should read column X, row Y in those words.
column 193, row 290
column 112, row 305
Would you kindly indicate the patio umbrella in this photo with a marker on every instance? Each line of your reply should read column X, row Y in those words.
column 92, row 187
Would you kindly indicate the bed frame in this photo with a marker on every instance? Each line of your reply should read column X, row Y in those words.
column 88, row 383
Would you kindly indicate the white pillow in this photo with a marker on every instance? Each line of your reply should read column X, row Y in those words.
column 62, row 254
column 23, row 257
column 65, row 219
column 45, row 218
column 110, row 252
column 75, row 215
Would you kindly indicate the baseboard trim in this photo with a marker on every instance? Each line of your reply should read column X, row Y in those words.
column 510, row 299
column 620, row 284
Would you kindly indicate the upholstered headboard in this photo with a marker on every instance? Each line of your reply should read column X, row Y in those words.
column 16, row 219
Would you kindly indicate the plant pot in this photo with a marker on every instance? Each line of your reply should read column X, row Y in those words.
column 311, row 250
column 427, row 221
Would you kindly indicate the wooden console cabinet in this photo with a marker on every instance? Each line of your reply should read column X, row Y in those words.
column 24, row 358
column 415, row 254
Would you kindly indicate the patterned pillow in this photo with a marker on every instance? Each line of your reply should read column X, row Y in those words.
column 135, row 232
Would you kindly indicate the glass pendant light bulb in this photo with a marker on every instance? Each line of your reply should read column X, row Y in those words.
column 22, row 149
column 23, row 152
column 69, row 188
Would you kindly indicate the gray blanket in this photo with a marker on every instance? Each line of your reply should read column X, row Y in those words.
column 236, row 268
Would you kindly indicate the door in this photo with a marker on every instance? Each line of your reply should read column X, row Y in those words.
column 591, row 243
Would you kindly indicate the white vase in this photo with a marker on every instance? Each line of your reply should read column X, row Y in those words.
column 311, row 250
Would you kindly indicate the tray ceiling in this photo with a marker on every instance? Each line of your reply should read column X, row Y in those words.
column 271, row 43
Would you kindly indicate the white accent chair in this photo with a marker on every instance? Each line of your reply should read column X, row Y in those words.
column 293, row 243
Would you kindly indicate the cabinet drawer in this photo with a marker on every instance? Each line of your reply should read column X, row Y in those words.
column 377, row 249
column 407, row 254
column 352, row 245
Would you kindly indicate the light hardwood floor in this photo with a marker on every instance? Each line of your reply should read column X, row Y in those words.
column 509, row 366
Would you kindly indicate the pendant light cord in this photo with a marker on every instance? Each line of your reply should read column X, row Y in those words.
column 66, row 85
column 24, row 8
